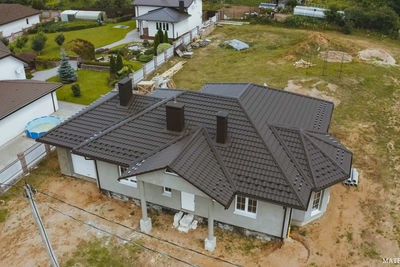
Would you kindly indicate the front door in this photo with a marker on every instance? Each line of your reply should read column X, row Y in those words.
column 187, row 200
column 145, row 32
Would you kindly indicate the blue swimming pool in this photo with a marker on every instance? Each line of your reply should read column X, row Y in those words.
column 39, row 126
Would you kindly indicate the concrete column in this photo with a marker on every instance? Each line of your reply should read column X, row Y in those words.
column 24, row 166
column 211, row 241
column 145, row 222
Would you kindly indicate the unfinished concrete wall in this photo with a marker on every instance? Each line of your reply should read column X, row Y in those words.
column 65, row 161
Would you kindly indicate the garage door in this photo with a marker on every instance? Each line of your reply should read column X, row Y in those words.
column 187, row 201
column 83, row 166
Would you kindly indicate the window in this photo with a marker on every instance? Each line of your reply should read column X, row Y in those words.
column 167, row 27
column 316, row 204
column 246, row 206
column 131, row 181
column 157, row 25
column 167, row 191
column 27, row 21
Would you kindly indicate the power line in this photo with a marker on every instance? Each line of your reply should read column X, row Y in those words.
column 137, row 231
column 117, row 236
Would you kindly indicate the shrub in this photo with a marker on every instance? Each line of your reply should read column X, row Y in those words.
column 38, row 42
column 149, row 51
column 60, row 39
column 62, row 26
column 146, row 43
column 162, row 47
column 165, row 39
column 5, row 41
column 29, row 75
column 333, row 16
column 82, row 48
column 21, row 41
column 145, row 58
column 119, row 64
column 47, row 58
column 76, row 90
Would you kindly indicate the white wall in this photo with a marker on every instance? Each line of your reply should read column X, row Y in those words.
column 300, row 217
column 18, row 25
column 196, row 12
column 11, row 69
column 14, row 124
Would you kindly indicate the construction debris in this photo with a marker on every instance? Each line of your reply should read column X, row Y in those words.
column 235, row 44
column 177, row 218
column 353, row 179
column 145, row 87
column 172, row 71
column 303, row 64
column 185, row 223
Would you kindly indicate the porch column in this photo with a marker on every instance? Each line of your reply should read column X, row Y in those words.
column 211, row 241
column 145, row 222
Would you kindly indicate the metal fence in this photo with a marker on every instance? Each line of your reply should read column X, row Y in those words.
column 25, row 162
column 159, row 60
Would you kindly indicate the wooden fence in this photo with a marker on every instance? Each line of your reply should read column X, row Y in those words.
column 25, row 162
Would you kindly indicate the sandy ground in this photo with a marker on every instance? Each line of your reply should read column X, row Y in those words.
column 336, row 56
column 326, row 242
column 377, row 56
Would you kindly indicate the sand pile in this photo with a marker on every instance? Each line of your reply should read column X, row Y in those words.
column 377, row 56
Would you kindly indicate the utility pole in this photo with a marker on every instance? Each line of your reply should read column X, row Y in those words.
column 39, row 223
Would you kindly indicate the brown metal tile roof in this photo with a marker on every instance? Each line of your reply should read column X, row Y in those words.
column 15, row 94
column 278, row 148
column 13, row 12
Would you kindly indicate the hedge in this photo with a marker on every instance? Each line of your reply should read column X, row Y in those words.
column 62, row 26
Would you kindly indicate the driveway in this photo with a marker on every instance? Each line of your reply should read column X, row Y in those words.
column 132, row 36
column 9, row 151
column 47, row 74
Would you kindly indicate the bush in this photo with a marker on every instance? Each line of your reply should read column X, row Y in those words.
column 5, row 41
column 149, row 51
column 21, row 41
column 62, row 26
column 60, row 39
column 29, row 75
column 145, row 58
column 76, row 90
column 162, row 47
column 82, row 48
column 146, row 43
column 38, row 42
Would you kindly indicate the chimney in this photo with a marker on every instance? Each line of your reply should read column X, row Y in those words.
column 125, row 91
column 175, row 116
column 181, row 6
column 222, row 127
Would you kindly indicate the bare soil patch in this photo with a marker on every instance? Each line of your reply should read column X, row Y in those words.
column 336, row 56
column 377, row 56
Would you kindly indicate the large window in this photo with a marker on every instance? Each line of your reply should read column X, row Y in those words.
column 246, row 206
column 316, row 204
column 131, row 181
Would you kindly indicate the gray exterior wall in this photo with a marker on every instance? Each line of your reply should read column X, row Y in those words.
column 301, row 217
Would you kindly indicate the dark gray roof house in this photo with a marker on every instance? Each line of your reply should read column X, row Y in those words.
column 163, row 14
column 226, row 139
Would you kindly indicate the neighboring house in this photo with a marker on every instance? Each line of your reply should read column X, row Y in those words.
column 22, row 101
column 11, row 66
column 241, row 154
column 15, row 18
column 177, row 17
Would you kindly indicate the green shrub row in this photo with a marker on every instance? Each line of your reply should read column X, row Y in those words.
column 62, row 26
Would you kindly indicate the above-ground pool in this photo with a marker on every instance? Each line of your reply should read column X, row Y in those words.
column 39, row 126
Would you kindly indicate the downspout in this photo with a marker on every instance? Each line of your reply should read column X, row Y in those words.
column 283, row 224
column 97, row 174
column 52, row 100
column 290, row 220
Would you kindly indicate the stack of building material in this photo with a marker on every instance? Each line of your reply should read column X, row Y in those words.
column 171, row 72
column 185, row 223
column 353, row 179
column 145, row 87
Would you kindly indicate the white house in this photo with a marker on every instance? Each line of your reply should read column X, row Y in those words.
column 244, row 155
column 11, row 67
column 177, row 17
column 22, row 101
column 15, row 18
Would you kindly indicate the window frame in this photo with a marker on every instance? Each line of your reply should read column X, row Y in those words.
column 131, row 181
column 167, row 192
column 246, row 211
column 316, row 207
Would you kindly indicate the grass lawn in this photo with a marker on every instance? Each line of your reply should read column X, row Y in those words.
column 99, row 36
column 93, row 84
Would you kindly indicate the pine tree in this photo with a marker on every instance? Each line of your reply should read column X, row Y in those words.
column 65, row 72
column 166, row 37
column 119, row 63
column 156, row 43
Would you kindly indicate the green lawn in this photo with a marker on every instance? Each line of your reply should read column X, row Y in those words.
column 93, row 84
column 99, row 36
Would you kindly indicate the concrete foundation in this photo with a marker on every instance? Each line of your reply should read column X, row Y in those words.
column 145, row 225
column 209, row 244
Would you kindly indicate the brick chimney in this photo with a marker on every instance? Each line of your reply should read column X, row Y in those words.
column 175, row 116
column 222, row 127
column 125, row 91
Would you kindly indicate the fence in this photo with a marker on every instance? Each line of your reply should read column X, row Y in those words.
column 159, row 60
column 26, row 161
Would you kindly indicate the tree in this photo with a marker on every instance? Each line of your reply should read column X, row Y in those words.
column 113, row 70
column 166, row 39
column 119, row 64
column 5, row 41
column 76, row 90
column 82, row 48
column 156, row 43
column 60, row 39
column 38, row 4
column 65, row 72
column 333, row 16
column 38, row 42
column 160, row 35
column 21, row 41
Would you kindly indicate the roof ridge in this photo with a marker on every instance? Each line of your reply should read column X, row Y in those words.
column 313, row 134
column 301, row 133
column 121, row 123
column 323, row 153
column 272, row 156
column 290, row 155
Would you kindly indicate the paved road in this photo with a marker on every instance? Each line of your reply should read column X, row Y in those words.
column 47, row 74
column 132, row 36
